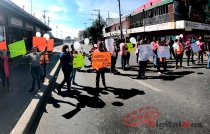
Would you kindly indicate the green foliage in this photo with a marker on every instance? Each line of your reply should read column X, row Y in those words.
column 95, row 30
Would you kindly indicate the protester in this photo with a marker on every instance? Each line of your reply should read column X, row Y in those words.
column 189, row 51
column 159, row 60
column 155, row 56
column 142, row 62
column 113, row 59
column 128, row 58
column 179, row 50
column 35, row 65
column 201, row 45
column 4, row 69
column 123, row 53
column 74, row 70
column 137, row 50
column 170, row 43
column 100, row 71
column 44, row 61
column 67, row 65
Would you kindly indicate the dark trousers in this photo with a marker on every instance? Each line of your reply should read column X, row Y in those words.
column 113, row 63
column 164, row 64
column 137, row 58
column 35, row 73
column 188, row 53
column 43, row 71
column 3, row 77
column 172, row 52
column 66, row 79
column 200, row 56
column 142, row 68
column 179, row 58
column 101, row 73
column 123, row 61
column 128, row 58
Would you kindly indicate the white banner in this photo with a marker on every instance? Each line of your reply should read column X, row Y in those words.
column 163, row 52
column 145, row 51
column 195, row 47
column 109, row 44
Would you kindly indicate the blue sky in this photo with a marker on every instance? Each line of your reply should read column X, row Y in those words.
column 70, row 15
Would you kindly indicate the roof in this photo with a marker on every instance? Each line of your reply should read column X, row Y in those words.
column 147, row 6
column 13, row 7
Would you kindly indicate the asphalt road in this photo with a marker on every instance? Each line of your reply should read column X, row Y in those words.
column 14, row 103
column 174, row 103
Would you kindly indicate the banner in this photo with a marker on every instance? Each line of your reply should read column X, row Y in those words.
column 101, row 59
column 3, row 45
column 50, row 45
column 78, row 61
column 40, row 42
column 163, row 52
column 130, row 47
column 145, row 51
column 195, row 47
column 17, row 49
column 109, row 44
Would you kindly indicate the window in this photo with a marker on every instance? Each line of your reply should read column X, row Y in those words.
column 2, row 32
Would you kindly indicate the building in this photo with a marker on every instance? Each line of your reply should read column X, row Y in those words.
column 16, row 24
column 164, row 19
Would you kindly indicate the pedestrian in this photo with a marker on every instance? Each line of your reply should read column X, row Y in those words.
column 137, row 50
column 142, row 62
column 66, row 61
column 74, row 70
column 208, row 63
column 4, row 69
column 44, row 61
column 113, row 59
column 128, row 58
column 155, row 56
column 179, row 50
column 201, row 45
column 160, row 60
column 170, row 43
column 100, row 71
column 123, row 53
column 189, row 51
column 35, row 66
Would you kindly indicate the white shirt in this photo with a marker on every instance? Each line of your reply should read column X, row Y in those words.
column 198, row 42
column 175, row 46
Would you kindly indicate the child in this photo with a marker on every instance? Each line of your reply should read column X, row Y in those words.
column 4, row 67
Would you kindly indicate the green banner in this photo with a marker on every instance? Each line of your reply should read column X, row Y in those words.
column 130, row 47
column 17, row 49
column 78, row 61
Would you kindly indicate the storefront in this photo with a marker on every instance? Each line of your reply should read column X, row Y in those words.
column 2, row 25
column 29, row 31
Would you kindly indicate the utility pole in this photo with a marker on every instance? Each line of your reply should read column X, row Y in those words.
column 48, row 21
column 44, row 17
column 108, row 14
column 120, row 21
column 31, row 7
column 99, row 20
column 57, row 31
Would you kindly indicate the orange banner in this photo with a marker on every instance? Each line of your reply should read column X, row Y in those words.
column 101, row 59
column 40, row 42
column 3, row 45
column 50, row 44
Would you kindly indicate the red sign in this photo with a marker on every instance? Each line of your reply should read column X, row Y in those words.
column 40, row 42
column 3, row 45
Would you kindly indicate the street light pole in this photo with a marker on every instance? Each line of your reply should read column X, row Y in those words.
column 99, row 20
column 120, row 21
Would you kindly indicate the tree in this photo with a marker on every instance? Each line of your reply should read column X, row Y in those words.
column 95, row 31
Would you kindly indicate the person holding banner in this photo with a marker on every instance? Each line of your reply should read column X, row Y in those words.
column 100, row 71
column 123, row 53
column 35, row 65
column 4, row 68
column 201, row 45
column 67, row 65
column 189, row 51
column 74, row 70
column 179, row 50
column 155, row 56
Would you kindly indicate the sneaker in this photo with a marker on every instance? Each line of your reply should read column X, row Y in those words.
column 31, row 90
column 73, row 83
column 159, row 73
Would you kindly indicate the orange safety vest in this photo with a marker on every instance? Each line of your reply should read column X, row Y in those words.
column 44, row 58
column 180, row 49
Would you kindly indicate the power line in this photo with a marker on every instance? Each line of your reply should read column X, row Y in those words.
column 113, row 11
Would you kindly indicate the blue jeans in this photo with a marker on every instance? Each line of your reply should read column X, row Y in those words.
column 3, row 78
column 35, row 73
column 208, row 64
column 73, row 74
column 43, row 71
column 123, row 61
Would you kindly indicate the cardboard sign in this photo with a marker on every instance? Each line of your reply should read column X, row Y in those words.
column 40, row 42
column 109, row 44
column 78, row 61
column 195, row 47
column 3, row 45
column 101, row 59
column 17, row 48
column 163, row 52
column 130, row 47
column 50, row 44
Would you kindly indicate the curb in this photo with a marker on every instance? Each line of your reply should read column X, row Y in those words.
column 25, row 122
